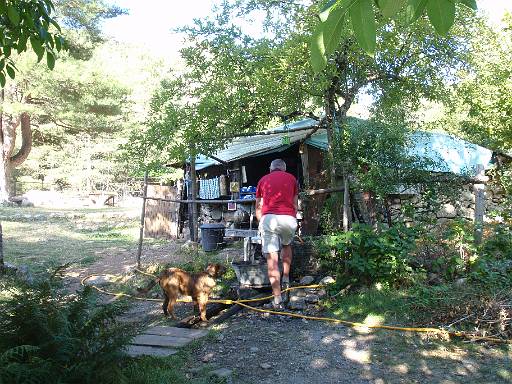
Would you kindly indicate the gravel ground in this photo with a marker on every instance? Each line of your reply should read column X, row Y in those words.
column 256, row 348
column 273, row 349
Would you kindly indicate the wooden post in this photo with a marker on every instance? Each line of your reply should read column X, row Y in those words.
column 1, row 249
column 142, row 217
column 304, row 157
column 479, row 191
column 346, row 204
column 303, row 203
column 193, row 192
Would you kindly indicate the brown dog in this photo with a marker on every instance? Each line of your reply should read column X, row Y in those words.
column 175, row 282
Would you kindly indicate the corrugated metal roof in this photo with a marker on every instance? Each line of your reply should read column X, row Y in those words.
column 249, row 146
column 449, row 153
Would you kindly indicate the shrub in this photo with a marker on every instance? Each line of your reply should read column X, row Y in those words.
column 48, row 336
column 366, row 255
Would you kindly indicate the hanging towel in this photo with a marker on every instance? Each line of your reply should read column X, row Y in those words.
column 209, row 188
column 203, row 186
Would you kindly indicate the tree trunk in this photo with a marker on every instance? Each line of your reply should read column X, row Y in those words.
column 331, row 123
column 7, row 144
column 5, row 179
column 1, row 249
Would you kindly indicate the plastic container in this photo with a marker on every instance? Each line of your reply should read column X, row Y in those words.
column 212, row 235
column 253, row 275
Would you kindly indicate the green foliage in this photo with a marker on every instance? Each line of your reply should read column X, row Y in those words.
column 377, row 155
column 234, row 83
column 366, row 256
column 482, row 307
column 24, row 21
column 363, row 15
column 480, row 106
column 48, row 336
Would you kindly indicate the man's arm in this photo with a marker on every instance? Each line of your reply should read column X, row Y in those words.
column 259, row 207
column 296, row 203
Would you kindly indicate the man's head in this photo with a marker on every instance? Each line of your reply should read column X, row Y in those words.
column 277, row 164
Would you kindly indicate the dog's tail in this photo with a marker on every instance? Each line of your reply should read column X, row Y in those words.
column 156, row 280
column 147, row 288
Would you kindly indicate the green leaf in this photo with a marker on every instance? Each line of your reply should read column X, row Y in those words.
column 2, row 79
column 470, row 3
column 37, row 47
column 414, row 10
column 317, row 49
column 333, row 29
column 441, row 14
column 50, row 60
column 49, row 5
column 10, row 71
column 29, row 19
column 363, row 23
column 390, row 8
column 58, row 44
column 22, row 44
column 326, row 10
column 13, row 15
column 57, row 26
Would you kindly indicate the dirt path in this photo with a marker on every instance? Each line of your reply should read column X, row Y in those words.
column 254, row 348
column 260, row 349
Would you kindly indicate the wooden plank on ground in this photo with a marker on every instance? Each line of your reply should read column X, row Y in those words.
column 240, row 232
column 173, row 331
column 161, row 341
column 142, row 350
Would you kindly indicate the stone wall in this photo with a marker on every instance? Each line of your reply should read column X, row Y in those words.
column 456, row 207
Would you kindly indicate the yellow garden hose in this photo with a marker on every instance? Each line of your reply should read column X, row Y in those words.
column 242, row 302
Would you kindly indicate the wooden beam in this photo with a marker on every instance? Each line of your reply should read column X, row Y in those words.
column 479, row 191
column 277, row 132
column 322, row 191
column 304, row 157
column 193, row 192
column 142, row 217
column 205, row 201
column 217, row 159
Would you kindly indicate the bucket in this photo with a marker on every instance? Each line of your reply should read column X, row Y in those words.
column 253, row 275
column 212, row 235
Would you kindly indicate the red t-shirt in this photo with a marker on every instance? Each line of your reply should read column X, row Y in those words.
column 278, row 190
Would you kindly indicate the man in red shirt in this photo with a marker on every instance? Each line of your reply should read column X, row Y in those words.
column 276, row 210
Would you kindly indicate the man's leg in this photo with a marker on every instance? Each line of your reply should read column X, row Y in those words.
column 286, row 256
column 274, row 275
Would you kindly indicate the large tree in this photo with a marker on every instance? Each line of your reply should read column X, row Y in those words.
column 233, row 82
column 42, row 105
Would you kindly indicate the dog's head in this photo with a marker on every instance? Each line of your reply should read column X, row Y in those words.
column 215, row 270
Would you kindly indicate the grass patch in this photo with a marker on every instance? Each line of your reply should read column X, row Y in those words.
column 172, row 369
column 44, row 238
column 384, row 305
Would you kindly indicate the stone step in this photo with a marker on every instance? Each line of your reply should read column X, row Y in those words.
column 174, row 331
column 145, row 350
column 161, row 340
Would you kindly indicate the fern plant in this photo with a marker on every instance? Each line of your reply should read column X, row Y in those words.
column 49, row 336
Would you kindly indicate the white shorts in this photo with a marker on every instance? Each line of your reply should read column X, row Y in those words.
column 276, row 231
